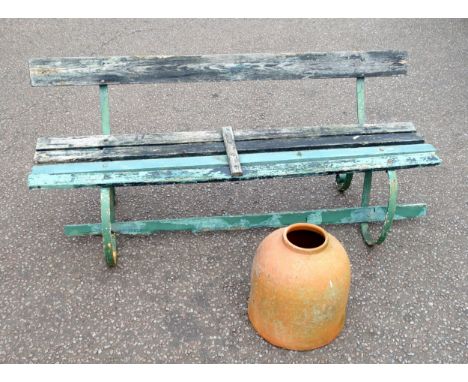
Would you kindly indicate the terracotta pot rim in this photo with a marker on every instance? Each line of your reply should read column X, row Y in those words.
column 305, row 227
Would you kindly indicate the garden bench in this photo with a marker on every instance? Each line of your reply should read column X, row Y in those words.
column 225, row 154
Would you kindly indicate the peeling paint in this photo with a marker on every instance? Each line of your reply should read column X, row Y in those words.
column 272, row 220
column 220, row 67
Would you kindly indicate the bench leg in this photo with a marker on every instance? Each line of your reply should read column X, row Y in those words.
column 391, row 207
column 107, row 218
column 114, row 198
column 343, row 181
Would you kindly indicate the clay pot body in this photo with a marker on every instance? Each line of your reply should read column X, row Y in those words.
column 299, row 287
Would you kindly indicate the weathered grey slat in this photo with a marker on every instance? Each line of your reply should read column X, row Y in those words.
column 98, row 141
column 221, row 67
column 217, row 148
column 231, row 151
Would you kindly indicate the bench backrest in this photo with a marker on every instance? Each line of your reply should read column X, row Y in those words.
column 222, row 67
column 103, row 71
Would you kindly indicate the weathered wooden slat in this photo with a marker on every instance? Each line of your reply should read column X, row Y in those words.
column 256, row 171
column 215, row 148
column 211, row 161
column 222, row 67
column 231, row 151
column 272, row 220
column 101, row 141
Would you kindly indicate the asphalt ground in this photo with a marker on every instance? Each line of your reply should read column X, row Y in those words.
column 182, row 297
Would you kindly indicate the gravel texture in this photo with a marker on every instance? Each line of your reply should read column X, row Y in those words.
column 182, row 297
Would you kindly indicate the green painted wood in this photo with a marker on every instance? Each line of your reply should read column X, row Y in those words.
column 179, row 137
column 219, row 148
column 271, row 220
column 211, row 161
column 391, row 207
column 221, row 67
column 257, row 171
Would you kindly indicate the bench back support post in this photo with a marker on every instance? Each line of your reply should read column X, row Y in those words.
column 343, row 181
column 360, row 101
column 105, row 114
column 107, row 193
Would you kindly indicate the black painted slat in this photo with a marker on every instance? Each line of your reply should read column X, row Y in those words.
column 100, row 141
column 222, row 67
column 216, row 148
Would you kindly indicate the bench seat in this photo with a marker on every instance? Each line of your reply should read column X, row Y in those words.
column 192, row 157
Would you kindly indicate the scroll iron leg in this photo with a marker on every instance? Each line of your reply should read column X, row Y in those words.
column 391, row 207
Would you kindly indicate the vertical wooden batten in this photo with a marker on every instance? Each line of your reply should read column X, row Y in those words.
column 231, row 151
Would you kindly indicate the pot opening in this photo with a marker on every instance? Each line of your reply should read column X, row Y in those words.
column 305, row 238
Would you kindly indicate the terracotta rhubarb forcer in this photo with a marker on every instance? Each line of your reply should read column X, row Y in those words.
column 299, row 287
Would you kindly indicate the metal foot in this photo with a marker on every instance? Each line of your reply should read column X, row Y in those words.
column 343, row 181
column 107, row 218
column 391, row 207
